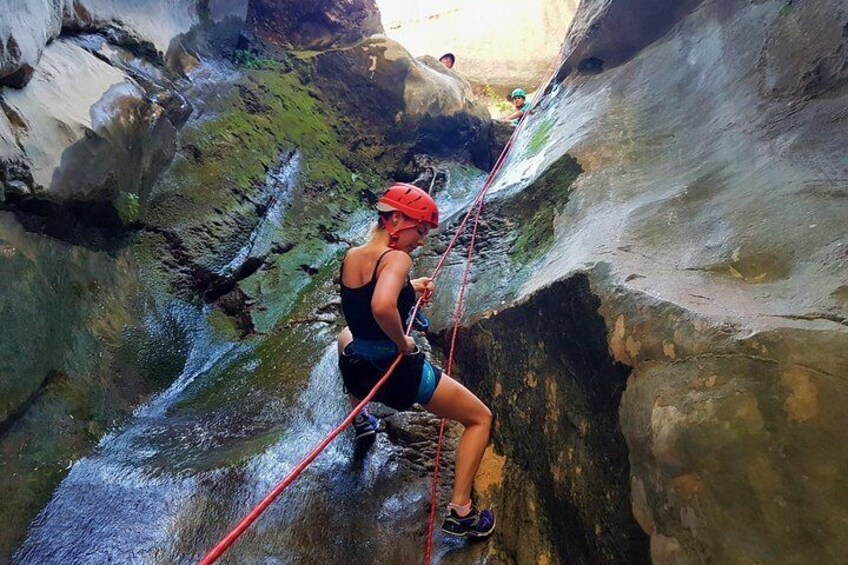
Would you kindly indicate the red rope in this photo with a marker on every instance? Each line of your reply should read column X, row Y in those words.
column 215, row 553
column 457, row 318
column 478, row 204
column 242, row 526
column 225, row 543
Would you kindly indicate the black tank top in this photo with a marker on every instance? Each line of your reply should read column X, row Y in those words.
column 356, row 305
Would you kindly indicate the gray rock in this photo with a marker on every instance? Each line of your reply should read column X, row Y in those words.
column 16, row 189
column 311, row 24
column 416, row 105
column 711, row 138
column 25, row 28
column 87, row 130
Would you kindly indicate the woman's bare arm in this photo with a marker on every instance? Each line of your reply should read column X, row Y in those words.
column 390, row 280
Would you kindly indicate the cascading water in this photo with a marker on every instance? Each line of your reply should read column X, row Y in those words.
column 280, row 182
column 197, row 457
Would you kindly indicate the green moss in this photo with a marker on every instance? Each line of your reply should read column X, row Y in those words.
column 249, row 60
column 536, row 235
column 537, row 207
column 212, row 188
column 280, row 363
column 231, row 153
column 223, row 327
column 540, row 137
column 306, row 55
column 128, row 207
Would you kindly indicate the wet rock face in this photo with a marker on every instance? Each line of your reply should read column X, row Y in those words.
column 709, row 219
column 88, row 134
column 544, row 369
column 417, row 106
column 309, row 24
column 596, row 41
column 817, row 67
column 70, row 362
column 25, row 29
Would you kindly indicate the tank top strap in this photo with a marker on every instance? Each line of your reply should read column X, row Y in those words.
column 377, row 265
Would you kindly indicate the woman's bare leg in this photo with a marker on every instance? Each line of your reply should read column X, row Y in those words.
column 455, row 402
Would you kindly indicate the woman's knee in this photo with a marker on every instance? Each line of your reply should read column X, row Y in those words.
column 487, row 417
column 480, row 416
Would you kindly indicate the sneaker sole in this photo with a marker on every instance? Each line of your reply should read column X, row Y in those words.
column 471, row 533
column 365, row 434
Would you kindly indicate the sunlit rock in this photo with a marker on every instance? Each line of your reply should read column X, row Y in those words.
column 502, row 43
column 87, row 131
column 27, row 27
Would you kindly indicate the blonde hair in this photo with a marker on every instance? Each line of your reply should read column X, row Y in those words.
column 377, row 227
column 375, row 230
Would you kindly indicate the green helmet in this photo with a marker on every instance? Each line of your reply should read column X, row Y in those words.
column 518, row 93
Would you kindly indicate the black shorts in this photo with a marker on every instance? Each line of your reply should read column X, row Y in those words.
column 399, row 392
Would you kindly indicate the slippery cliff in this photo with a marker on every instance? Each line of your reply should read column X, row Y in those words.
column 699, row 154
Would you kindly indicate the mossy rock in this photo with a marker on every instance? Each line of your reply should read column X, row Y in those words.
column 536, row 207
column 214, row 197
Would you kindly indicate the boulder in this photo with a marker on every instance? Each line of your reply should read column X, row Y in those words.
column 415, row 105
column 88, row 133
column 25, row 29
column 310, row 24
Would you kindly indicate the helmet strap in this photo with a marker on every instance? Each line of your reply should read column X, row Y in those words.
column 393, row 232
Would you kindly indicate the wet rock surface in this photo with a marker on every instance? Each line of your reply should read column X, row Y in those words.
column 28, row 27
column 707, row 222
column 89, row 135
column 24, row 32
column 414, row 105
column 305, row 24
column 71, row 362
column 544, row 368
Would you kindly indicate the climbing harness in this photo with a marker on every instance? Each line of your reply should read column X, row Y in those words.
column 404, row 198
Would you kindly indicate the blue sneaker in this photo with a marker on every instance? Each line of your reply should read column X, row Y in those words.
column 478, row 524
column 364, row 425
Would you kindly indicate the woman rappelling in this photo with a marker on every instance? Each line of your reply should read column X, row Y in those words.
column 377, row 298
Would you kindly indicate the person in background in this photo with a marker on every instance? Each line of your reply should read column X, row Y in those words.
column 448, row 60
column 519, row 101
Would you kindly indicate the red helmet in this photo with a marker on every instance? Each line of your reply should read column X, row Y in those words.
column 412, row 202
